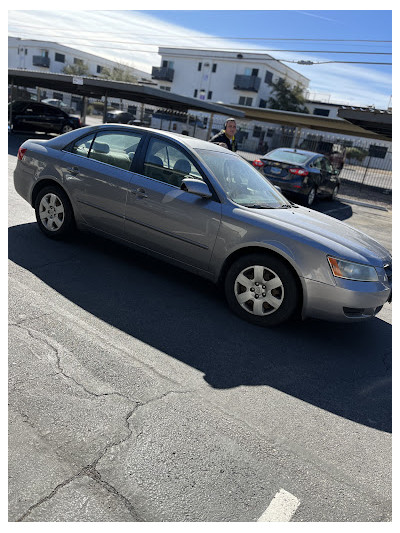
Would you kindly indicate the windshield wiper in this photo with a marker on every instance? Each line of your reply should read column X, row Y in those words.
column 288, row 206
column 258, row 206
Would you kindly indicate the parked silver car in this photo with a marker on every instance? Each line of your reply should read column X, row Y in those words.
column 204, row 208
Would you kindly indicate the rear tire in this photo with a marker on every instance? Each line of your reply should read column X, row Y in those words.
column 54, row 213
column 261, row 289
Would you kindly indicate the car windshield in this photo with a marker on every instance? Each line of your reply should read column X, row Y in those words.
column 287, row 156
column 242, row 183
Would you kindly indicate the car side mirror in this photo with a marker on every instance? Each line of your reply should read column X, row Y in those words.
column 197, row 187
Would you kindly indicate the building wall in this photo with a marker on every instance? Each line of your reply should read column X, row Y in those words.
column 188, row 78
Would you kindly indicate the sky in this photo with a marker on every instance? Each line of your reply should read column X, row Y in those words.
column 346, row 37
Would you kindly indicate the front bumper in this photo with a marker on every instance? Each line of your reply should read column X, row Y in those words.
column 350, row 301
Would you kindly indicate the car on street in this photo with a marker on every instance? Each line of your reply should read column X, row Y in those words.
column 118, row 116
column 300, row 174
column 204, row 208
column 37, row 116
column 60, row 104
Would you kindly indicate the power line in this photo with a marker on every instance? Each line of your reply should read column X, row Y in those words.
column 214, row 36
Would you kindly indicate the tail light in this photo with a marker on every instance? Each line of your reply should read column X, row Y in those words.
column 258, row 163
column 21, row 153
column 298, row 171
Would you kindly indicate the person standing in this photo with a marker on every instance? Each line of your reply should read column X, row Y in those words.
column 226, row 137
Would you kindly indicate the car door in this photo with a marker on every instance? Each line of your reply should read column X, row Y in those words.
column 53, row 118
column 162, row 217
column 31, row 118
column 96, row 169
column 330, row 178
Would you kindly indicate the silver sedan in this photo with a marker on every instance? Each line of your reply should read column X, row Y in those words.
column 205, row 209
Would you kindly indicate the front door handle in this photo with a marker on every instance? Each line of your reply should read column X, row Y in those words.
column 141, row 193
column 73, row 170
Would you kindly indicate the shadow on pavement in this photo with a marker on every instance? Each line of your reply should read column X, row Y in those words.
column 342, row 368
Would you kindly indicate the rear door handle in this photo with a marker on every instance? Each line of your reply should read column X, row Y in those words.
column 73, row 170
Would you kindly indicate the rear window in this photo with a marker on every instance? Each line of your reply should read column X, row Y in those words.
column 286, row 156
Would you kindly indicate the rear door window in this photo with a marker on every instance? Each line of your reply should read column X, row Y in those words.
column 116, row 148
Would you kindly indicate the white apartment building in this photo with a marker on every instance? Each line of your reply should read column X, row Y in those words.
column 240, row 78
column 47, row 56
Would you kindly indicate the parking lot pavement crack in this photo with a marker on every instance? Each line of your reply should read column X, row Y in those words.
column 48, row 497
column 59, row 350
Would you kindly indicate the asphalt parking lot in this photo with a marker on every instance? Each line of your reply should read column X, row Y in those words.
column 135, row 394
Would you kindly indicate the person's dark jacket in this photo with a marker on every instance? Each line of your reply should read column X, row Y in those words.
column 222, row 138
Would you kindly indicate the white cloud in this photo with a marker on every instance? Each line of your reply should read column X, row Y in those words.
column 136, row 37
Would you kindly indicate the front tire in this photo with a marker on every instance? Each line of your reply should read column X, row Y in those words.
column 262, row 289
column 54, row 213
column 310, row 198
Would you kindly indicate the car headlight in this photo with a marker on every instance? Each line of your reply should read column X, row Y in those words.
column 354, row 271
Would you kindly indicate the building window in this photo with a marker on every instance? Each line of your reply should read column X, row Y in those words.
column 263, row 103
column 270, row 132
column 209, row 95
column 199, row 66
column 377, row 151
column 257, row 131
column 58, row 96
column 214, row 67
column 321, row 112
column 268, row 77
column 251, row 71
column 44, row 53
column 99, row 69
column 59, row 57
column 78, row 61
column 245, row 100
column 195, row 93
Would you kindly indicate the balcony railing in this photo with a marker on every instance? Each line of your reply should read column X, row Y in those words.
column 247, row 83
column 41, row 61
column 162, row 73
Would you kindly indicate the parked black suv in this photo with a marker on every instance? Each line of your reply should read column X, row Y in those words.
column 35, row 116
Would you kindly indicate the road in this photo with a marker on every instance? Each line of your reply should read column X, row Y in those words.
column 136, row 395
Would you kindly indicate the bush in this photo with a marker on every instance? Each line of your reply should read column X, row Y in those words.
column 357, row 154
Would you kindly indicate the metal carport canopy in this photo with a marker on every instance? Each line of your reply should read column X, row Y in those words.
column 98, row 87
column 314, row 122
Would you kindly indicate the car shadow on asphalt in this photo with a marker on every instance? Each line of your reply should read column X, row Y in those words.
column 342, row 368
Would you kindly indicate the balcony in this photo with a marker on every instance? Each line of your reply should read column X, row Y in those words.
column 162, row 73
column 40, row 61
column 247, row 83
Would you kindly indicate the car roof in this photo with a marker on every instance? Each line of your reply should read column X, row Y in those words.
column 190, row 142
column 297, row 151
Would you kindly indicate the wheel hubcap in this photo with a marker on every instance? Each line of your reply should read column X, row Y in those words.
column 259, row 290
column 51, row 212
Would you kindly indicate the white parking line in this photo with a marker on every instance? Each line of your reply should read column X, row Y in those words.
column 281, row 509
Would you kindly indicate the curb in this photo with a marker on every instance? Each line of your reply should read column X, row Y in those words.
column 364, row 204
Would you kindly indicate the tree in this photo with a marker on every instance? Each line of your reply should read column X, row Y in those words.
column 120, row 73
column 77, row 69
column 287, row 98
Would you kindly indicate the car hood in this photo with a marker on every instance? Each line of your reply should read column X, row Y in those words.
column 327, row 233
